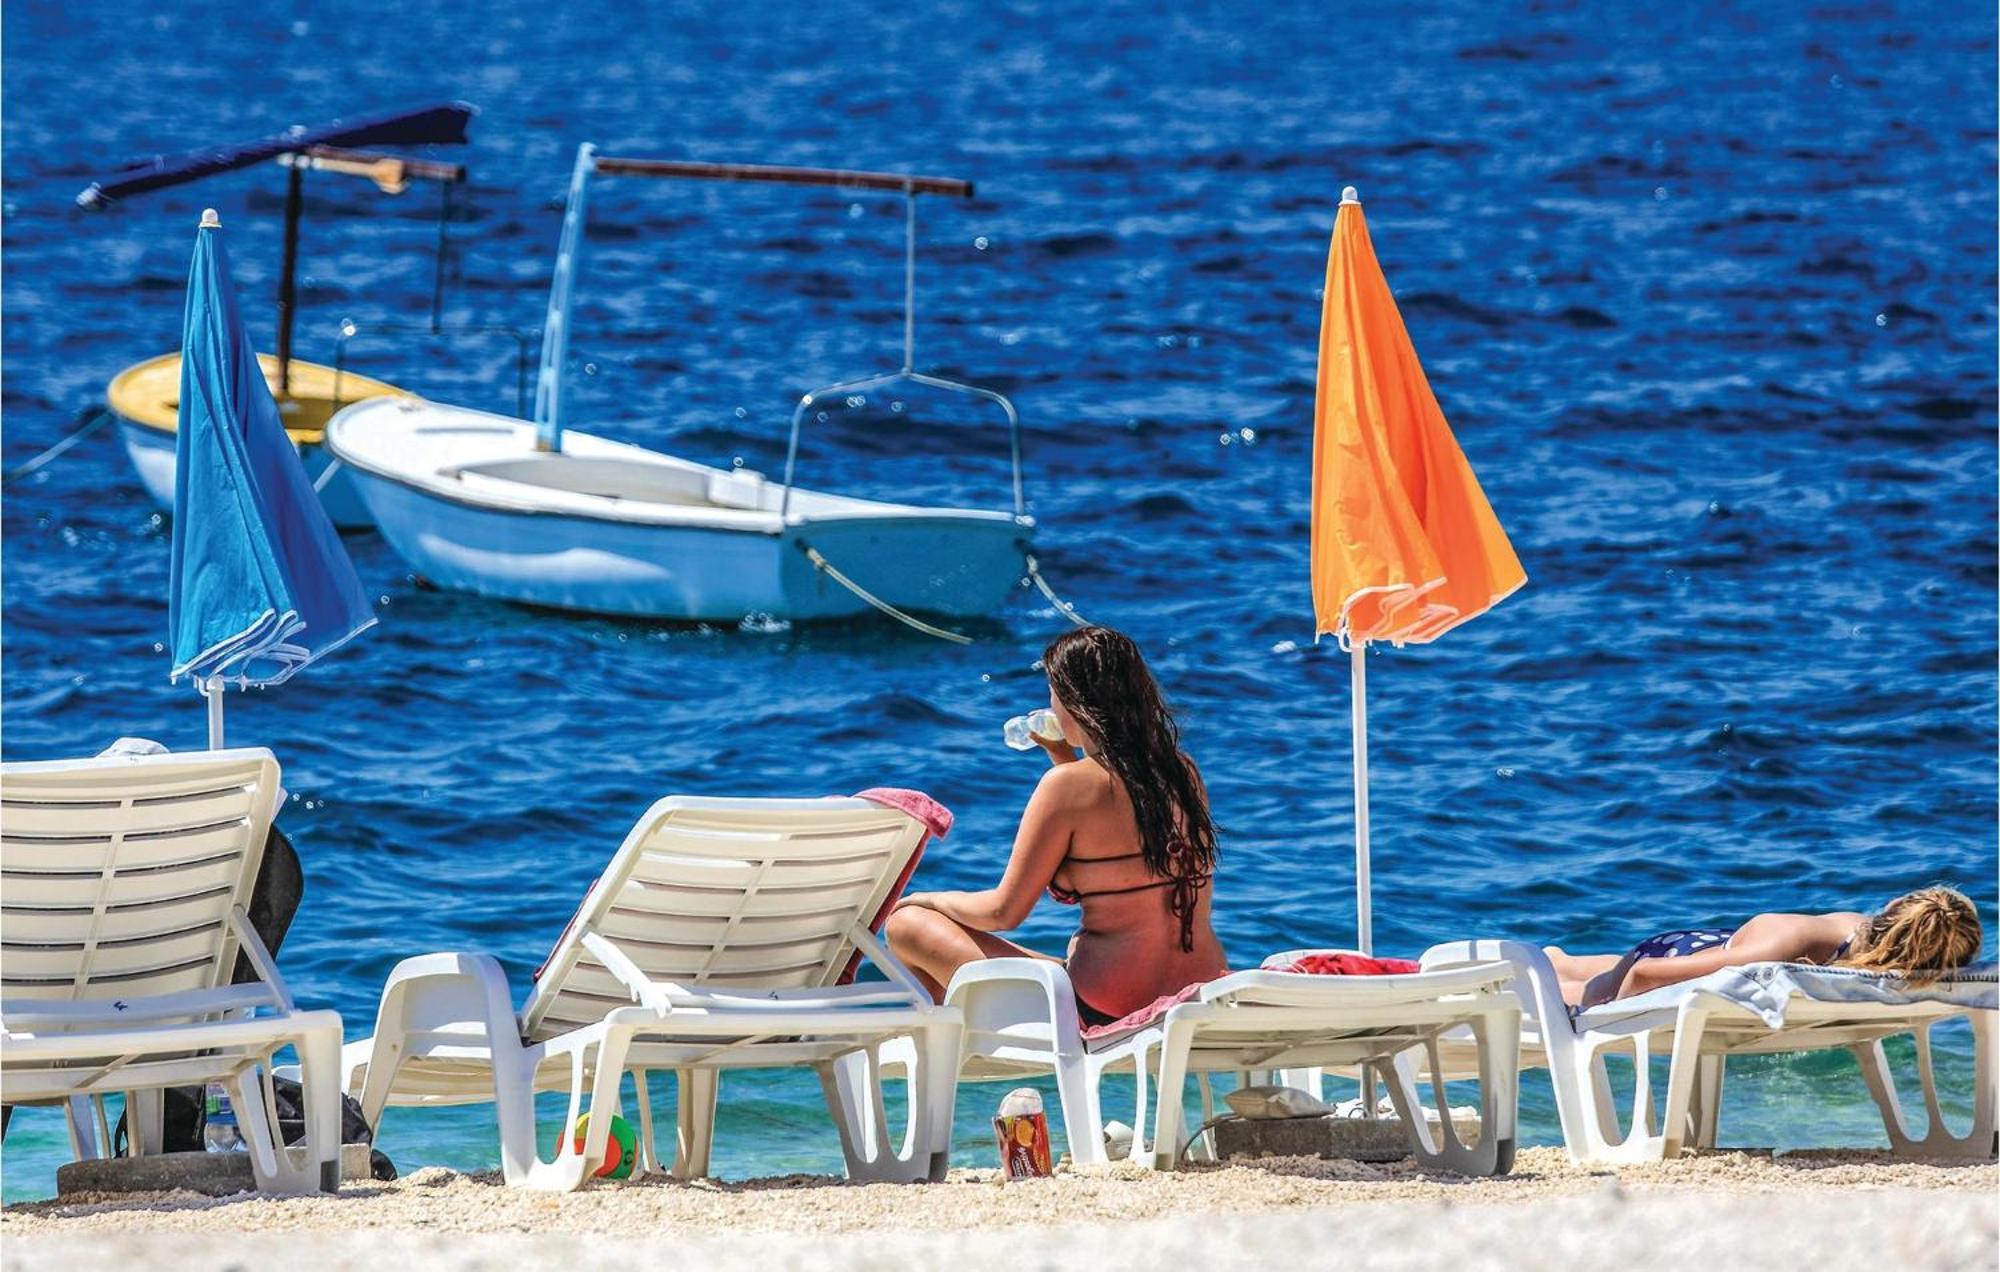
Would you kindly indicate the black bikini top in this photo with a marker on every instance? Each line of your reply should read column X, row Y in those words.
column 1181, row 903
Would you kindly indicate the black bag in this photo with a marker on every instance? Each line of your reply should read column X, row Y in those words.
column 186, row 1119
column 274, row 899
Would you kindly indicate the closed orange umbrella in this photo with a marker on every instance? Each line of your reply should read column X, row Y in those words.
column 1404, row 545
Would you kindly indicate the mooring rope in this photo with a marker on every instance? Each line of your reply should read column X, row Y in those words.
column 98, row 419
column 1063, row 607
column 908, row 620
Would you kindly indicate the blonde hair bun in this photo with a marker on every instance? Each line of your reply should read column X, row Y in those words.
column 1920, row 935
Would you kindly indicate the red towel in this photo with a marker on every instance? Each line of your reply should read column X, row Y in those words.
column 1309, row 963
column 1347, row 963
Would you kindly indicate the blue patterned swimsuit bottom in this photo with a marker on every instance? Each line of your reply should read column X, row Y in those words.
column 1683, row 942
column 1675, row 944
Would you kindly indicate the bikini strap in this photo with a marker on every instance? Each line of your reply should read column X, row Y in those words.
column 1145, row 887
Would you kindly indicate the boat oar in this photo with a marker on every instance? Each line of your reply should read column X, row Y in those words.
column 392, row 174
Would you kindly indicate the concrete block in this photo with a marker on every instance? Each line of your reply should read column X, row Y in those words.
column 1352, row 1138
column 213, row 1174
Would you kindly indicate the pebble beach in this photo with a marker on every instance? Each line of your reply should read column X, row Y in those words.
column 1722, row 1208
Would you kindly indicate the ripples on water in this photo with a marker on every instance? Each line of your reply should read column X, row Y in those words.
column 1707, row 295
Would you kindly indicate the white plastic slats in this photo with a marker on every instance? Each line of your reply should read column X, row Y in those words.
column 205, row 805
column 759, row 894
column 117, row 876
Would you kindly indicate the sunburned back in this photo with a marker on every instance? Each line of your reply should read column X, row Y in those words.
column 1128, row 950
column 1799, row 938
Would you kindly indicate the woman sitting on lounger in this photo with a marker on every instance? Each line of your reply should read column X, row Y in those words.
column 1919, row 934
column 1122, row 831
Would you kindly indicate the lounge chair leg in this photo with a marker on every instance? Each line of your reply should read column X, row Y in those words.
column 1497, row 1034
column 1178, row 1037
column 696, row 1119
column 145, row 1122
column 648, row 1151
column 315, row 1164
column 852, row 1085
column 261, row 1138
column 1200, row 1150
column 606, row 1069
column 319, row 1080
column 1083, row 1118
column 1683, row 1075
column 82, row 1128
column 513, row 1110
column 1981, row 1142
column 1705, row 1108
column 935, row 1091
column 1142, row 1120
column 1603, row 1140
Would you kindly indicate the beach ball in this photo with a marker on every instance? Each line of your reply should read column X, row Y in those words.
column 621, row 1147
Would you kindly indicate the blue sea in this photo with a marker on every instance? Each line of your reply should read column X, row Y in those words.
column 1706, row 291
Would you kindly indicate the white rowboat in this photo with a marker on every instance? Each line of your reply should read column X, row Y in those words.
column 466, row 499
column 535, row 512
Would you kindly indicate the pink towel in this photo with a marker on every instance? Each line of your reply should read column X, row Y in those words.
column 1146, row 1015
column 936, row 821
column 935, row 816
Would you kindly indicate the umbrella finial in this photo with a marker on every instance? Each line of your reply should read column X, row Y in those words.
column 1348, row 195
column 209, row 220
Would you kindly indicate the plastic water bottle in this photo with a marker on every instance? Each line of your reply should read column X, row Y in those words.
column 220, row 1133
column 1021, row 732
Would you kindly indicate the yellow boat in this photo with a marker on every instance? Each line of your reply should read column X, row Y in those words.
column 145, row 398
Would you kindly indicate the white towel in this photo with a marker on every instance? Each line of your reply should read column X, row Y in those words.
column 1766, row 988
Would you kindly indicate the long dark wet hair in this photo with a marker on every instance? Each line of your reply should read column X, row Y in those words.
column 1100, row 676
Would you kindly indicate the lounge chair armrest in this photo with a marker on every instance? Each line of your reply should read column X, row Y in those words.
column 1535, row 980
column 999, row 995
column 458, row 998
column 260, row 958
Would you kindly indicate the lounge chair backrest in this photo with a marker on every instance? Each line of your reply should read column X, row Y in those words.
column 117, row 875
column 735, row 893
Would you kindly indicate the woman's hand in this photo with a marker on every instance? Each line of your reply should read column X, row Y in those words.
column 917, row 901
column 1059, row 750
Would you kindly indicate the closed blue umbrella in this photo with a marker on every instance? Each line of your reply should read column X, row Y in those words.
column 261, row 584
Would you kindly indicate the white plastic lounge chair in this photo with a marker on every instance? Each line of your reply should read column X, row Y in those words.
column 717, row 938
column 1020, row 1021
column 1697, row 1025
column 125, row 886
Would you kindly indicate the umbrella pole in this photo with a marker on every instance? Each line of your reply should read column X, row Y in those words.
column 212, row 689
column 1364, row 925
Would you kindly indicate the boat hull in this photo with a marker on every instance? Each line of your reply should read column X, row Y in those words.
column 936, row 566
column 470, row 502
column 144, row 400
column 152, row 456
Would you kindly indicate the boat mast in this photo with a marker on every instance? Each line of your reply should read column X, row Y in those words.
column 288, row 276
column 555, row 329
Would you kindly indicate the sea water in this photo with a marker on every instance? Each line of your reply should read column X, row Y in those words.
column 1706, row 292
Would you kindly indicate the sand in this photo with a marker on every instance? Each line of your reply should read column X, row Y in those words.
column 1706, row 1210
